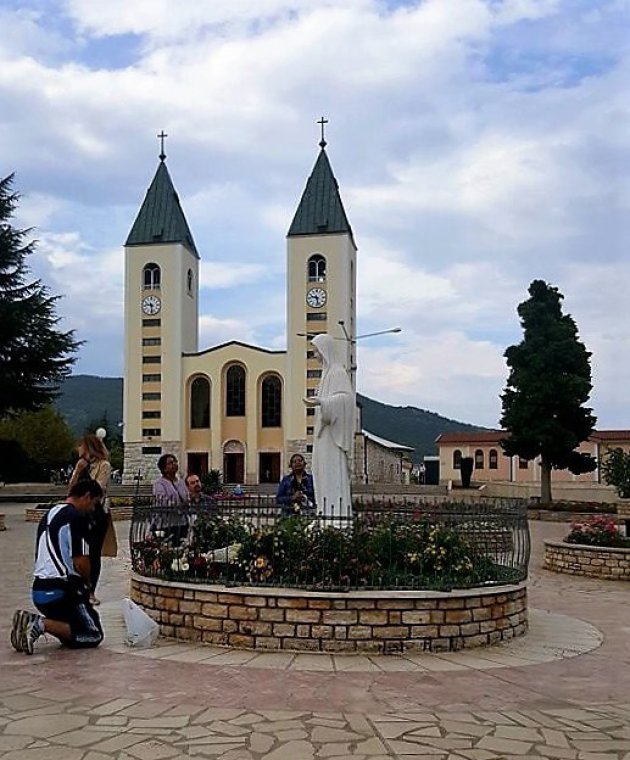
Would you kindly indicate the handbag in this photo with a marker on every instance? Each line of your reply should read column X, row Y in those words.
column 110, row 542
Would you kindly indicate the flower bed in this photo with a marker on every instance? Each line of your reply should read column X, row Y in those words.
column 385, row 580
column 594, row 547
column 374, row 550
column 597, row 531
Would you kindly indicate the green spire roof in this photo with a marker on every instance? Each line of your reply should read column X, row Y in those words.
column 320, row 211
column 161, row 218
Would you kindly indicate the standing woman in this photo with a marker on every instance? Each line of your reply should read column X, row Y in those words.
column 295, row 492
column 94, row 463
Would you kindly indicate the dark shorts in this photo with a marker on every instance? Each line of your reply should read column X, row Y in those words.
column 68, row 605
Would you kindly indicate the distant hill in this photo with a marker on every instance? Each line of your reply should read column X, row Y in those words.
column 409, row 425
column 85, row 398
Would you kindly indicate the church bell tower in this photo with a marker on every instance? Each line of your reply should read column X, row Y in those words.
column 161, row 322
column 321, row 293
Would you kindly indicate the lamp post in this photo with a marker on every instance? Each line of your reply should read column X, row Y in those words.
column 347, row 337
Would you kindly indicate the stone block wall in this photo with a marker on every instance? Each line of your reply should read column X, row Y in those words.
column 361, row 621
column 146, row 464
column 593, row 561
column 118, row 514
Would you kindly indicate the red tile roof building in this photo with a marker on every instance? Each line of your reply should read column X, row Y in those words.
column 490, row 464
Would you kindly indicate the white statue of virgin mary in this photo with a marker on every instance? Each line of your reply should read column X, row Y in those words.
column 333, row 439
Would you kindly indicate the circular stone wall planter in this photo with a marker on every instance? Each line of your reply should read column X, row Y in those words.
column 612, row 563
column 354, row 621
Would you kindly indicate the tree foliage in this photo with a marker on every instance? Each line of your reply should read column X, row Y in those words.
column 34, row 354
column 44, row 436
column 616, row 471
column 548, row 384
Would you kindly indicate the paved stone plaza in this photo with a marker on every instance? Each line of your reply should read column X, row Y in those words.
column 563, row 691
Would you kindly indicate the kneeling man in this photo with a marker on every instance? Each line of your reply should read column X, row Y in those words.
column 61, row 586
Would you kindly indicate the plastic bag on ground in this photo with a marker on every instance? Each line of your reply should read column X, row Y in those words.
column 142, row 631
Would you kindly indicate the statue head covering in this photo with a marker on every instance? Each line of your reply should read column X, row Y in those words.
column 325, row 346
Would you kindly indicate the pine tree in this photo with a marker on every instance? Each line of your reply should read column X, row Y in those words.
column 548, row 385
column 34, row 355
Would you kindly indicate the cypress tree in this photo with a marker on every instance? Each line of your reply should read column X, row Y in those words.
column 548, row 384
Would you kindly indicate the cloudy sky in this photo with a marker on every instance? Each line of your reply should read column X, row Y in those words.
column 478, row 144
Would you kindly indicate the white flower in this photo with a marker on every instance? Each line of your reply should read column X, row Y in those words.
column 179, row 565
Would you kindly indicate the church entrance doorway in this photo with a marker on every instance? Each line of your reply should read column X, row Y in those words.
column 197, row 464
column 233, row 468
column 269, row 467
column 233, row 462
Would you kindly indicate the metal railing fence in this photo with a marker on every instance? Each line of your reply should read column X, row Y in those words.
column 382, row 546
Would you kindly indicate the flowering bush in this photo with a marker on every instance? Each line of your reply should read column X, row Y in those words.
column 370, row 551
column 596, row 531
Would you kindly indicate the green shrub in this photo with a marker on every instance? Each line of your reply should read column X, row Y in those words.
column 616, row 471
column 375, row 551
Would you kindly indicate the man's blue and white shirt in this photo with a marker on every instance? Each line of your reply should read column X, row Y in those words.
column 61, row 535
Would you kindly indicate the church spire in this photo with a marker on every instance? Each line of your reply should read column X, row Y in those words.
column 320, row 211
column 161, row 218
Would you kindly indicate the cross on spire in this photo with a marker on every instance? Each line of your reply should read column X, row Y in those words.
column 322, row 142
column 162, row 136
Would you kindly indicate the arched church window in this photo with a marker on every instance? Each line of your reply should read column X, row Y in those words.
column 457, row 459
column 200, row 403
column 151, row 276
column 189, row 281
column 493, row 462
column 317, row 268
column 271, row 402
column 235, row 391
column 479, row 463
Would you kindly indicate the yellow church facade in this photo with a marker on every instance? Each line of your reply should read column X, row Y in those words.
column 234, row 407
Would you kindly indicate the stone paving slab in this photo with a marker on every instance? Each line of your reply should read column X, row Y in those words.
column 563, row 691
column 237, row 734
column 551, row 637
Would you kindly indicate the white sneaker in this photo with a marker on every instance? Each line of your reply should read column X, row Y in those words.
column 18, row 628
column 31, row 634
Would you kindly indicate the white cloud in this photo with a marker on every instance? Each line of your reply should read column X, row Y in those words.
column 445, row 372
column 511, row 11
column 24, row 32
column 36, row 209
column 90, row 281
column 156, row 17
column 214, row 330
column 215, row 275
column 478, row 144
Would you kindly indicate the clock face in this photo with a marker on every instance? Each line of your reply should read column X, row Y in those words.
column 316, row 297
column 151, row 305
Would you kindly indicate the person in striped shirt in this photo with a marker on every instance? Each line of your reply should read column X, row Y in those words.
column 61, row 583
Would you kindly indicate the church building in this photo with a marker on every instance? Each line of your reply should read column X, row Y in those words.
column 233, row 407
